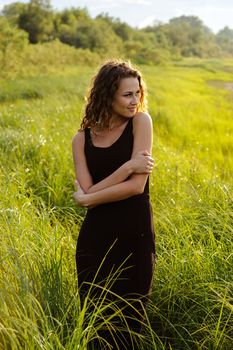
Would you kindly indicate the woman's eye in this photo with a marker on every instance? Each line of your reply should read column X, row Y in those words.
column 129, row 94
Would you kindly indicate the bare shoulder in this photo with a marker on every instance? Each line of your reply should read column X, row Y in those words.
column 142, row 132
column 78, row 139
column 142, row 119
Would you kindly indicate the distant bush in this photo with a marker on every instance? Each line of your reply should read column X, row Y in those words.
column 57, row 54
column 48, row 57
column 12, row 42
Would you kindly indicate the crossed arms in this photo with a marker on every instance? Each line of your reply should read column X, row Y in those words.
column 128, row 180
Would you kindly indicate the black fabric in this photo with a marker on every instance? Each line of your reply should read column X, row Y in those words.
column 115, row 247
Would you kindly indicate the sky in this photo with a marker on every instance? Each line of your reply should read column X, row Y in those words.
column 215, row 14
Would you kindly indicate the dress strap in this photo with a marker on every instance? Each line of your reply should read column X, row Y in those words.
column 130, row 123
column 87, row 132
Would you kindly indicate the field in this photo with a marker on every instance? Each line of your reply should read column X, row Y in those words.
column 191, row 104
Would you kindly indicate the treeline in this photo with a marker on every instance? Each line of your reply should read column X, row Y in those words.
column 37, row 22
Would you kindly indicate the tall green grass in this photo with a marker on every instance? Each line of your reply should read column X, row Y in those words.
column 191, row 192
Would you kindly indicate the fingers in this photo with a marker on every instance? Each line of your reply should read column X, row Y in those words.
column 149, row 159
column 143, row 153
column 79, row 189
column 143, row 162
column 149, row 168
column 150, row 162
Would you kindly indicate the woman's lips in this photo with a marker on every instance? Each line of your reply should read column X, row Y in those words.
column 132, row 109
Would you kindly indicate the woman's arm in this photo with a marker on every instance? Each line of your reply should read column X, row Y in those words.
column 142, row 129
column 141, row 162
column 80, row 164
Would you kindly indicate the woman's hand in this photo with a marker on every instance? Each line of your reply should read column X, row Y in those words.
column 142, row 163
column 79, row 195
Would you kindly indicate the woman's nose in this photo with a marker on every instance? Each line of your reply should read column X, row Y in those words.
column 134, row 100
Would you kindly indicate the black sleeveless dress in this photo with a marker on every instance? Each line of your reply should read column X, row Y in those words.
column 116, row 249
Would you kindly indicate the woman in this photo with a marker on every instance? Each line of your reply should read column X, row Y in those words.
column 115, row 249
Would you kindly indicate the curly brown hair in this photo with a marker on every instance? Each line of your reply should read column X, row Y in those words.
column 98, row 109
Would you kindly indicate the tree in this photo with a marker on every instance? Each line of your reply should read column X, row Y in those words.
column 224, row 39
column 122, row 29
column 66, row 22
column 98, row 36
column 190, row 36
column 13, row 11
column 37, row 20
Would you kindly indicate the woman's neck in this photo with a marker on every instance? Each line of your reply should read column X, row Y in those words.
column 116, row 122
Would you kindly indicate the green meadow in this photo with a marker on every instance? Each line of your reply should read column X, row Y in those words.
column 191, row 307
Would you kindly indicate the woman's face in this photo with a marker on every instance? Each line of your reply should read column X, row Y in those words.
column 126, row 98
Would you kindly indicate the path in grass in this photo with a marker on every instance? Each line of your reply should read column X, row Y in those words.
column 228, row 85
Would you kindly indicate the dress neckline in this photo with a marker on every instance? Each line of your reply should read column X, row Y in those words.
column 117, row 140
